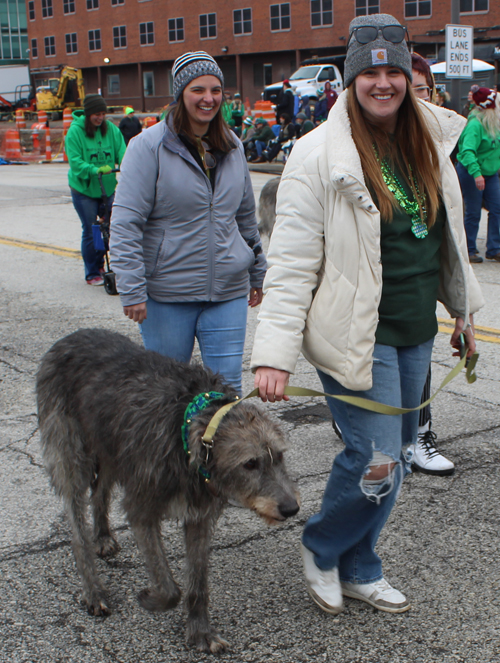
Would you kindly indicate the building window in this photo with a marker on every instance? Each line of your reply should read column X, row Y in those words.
column 71, row 43
column 31, row 9
column 175, row 29
column 208, row 26
column 92, row 4
column 417, row 8
column 280, row 17
column 148, row 79
column 120, row 36
column 117, row 2
column 364, row 7
column 34, row 48
column 147, row 33
column 50, row 46
column 242, row 21
column 467, row 6
column 321, row 13
column 94, row 40
column 69, row 6
column 113, row 83
column 47, row 9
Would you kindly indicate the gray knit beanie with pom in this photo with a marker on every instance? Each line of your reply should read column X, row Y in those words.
column 192, row 65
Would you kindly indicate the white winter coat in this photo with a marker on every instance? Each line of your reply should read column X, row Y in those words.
column 324, row 281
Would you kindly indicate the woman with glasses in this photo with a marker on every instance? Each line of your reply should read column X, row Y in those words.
column 185, row 246
column 422, row 79
column 368, row 236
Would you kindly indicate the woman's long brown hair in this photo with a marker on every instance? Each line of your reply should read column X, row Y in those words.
column 412, row 146
column 218, row 135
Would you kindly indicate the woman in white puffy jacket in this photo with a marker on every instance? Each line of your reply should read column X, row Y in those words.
column 369, row 235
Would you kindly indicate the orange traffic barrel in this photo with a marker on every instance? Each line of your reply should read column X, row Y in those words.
column 42, row 116
column 67, row 120
column 48, row 147
column 12, row 144
column 149, row 121
column 20, row 120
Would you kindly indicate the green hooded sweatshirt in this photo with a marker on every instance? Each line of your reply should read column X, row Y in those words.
column 477, row 150
column 86, row 155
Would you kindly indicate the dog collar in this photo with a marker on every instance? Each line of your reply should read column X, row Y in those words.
column 197, row 405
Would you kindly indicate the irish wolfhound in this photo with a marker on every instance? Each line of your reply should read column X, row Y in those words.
column 267, row 206
column 110, row 413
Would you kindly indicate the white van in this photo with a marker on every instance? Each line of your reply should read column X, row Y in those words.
column 307, row 80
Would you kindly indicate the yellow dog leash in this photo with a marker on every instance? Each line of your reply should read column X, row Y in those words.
column 364, row 403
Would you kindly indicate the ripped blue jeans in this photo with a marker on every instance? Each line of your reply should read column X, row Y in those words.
column 345, row 532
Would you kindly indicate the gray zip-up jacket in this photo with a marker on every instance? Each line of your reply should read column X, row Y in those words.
column 172, row 237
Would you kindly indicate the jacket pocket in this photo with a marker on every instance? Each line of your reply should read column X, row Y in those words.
column 153, row 248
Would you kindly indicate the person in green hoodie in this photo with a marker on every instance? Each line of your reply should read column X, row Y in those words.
column 93, row 145
column 478, row 165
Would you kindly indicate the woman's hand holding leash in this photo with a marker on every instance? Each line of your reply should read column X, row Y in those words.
column 271, row 383
column 255, row 297
column 136, row 312
column 470, row 341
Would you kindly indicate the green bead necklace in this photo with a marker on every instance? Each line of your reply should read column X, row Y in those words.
column 411, row 207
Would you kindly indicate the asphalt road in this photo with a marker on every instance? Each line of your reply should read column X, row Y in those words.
column 440, row 547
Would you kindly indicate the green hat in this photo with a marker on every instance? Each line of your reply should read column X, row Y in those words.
column 248, row 120
column 129, row 110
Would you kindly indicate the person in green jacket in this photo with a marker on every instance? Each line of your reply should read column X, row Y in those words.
column 478, row 165
column 93, row 145
column 263, row 134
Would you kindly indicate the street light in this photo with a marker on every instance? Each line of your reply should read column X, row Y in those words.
column 106, row 60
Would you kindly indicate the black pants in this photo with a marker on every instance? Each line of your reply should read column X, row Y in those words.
column 425, row 413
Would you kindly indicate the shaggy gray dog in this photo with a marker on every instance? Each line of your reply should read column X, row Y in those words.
column 267, row 206
column 110, row 413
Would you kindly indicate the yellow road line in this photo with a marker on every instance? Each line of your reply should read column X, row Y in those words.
column 479, row 337
column 39, row 246
column 451, row 323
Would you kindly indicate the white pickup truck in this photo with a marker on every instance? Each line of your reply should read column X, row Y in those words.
column 307, row 80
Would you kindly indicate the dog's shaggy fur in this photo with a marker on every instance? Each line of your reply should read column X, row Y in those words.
column 267, row 206
column 110, row 413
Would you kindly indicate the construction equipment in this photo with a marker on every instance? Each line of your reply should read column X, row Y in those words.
column 67, row 91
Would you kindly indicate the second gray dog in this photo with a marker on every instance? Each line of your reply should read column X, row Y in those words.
column 111, row 413
column 267, row 206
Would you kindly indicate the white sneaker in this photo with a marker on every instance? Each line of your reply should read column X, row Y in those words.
column 323, row 586
column 427, row 459
column 378, row 594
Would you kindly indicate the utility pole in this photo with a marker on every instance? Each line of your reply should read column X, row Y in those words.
column 455, row 83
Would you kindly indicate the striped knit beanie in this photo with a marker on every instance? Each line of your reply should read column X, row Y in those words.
column 192, row 65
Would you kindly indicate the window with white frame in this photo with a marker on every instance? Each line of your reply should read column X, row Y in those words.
column 117, row 2
column 71, row 43
column 34, row 48
column 148, row 79
column 31, row 10
column 280, row 17
column 208, row 26
column 146, row 33
column 68, row 6
column 417, row 8
column 365, row 7
column 94, row 40
column 242, row 21
column 175, row 29
column 321, row 13
column 113, row 83
column 50, row 46
column 120, row 36
column 47, row 10
column 469, row 6
column 92, row 4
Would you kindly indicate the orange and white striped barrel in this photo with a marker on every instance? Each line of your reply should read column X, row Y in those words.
column 149, row 122
column 12, row 144
column 67, row 120
column 42, row 116
column 264, row 109
column 48, row 146
column 20, row 120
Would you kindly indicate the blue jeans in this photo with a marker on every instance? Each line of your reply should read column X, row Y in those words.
column 219, row 327
column 87, row 209
column 473, row 200
column 260, row 146
column 345, row 532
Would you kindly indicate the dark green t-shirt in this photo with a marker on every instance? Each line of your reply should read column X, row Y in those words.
column 410, row 275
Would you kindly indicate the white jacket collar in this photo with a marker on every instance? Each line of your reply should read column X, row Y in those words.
column 343, row 158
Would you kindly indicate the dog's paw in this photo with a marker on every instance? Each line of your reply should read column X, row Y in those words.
column 96, row 606
column 151, row 599
column 208, row 641
column 106, row 546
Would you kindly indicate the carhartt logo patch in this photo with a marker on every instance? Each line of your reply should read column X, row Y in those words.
column 379, row 56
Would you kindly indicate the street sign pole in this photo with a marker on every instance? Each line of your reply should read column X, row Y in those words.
column 455, row 83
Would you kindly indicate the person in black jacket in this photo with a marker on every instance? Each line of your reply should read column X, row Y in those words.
column 130, row 126
column 287, row 132
column 286, row 103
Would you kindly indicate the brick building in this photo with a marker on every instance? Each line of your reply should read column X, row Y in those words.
column 126, row 47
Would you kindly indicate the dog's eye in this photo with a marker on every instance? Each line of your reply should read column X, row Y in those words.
column 279, row 456
column 252, row 464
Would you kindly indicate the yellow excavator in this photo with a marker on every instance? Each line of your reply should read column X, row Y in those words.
column 67, row 91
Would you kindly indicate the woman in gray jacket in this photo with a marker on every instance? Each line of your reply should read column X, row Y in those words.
column 185, row 246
